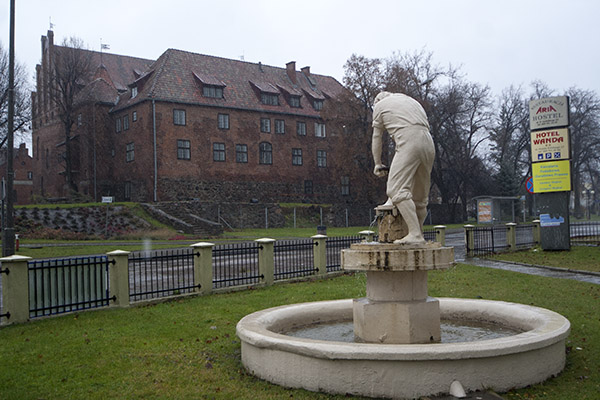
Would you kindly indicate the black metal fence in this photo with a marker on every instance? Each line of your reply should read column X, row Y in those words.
column 430, row 234
column 160, row 273
column 235, row 264
column 333, row 247
column 63, row 285
column 294, row 258
column 524, row 236
column 487, row 240
column 585, row 232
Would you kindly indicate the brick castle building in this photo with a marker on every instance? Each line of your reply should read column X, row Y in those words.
column 192, row 126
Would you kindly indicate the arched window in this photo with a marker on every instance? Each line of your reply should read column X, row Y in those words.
column 266, row 153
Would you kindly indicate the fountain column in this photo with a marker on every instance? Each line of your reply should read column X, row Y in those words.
column 397, row 308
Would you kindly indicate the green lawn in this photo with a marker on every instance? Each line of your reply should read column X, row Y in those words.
column 187, row 349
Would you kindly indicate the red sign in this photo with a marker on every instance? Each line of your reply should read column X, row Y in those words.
column 529, row 184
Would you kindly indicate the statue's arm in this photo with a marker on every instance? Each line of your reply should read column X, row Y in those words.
column 376, row 144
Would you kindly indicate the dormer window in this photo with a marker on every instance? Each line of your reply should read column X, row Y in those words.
column 211, row 86
column 295, row 101
column 212, row 91
column 269, row 99
column 134, row 91
column 318, row 105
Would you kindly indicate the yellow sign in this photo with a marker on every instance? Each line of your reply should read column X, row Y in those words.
column 548, row 145
column 551, row 176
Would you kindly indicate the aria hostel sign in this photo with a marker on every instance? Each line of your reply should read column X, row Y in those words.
column 549, row 112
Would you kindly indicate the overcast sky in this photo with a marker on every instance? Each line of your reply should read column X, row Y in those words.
column 498, row 43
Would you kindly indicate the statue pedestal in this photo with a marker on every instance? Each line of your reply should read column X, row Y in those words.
column 397, row 308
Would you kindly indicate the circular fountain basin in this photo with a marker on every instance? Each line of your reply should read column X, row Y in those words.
column 404, row 370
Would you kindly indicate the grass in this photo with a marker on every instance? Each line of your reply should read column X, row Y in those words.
column 187, row 349
column 583, row 258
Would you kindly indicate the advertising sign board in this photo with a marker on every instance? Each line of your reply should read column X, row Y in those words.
column 550, row 144
column 484, row 211
column 549, row 112
column 551, row 176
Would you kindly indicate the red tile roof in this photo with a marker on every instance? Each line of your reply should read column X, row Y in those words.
column 178, row 76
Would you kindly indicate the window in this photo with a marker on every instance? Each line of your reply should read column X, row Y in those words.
column 134, row 92
column 279, row 126
column 183, row 149
column 219, row 152
column 130, row 152
column 269, row 99
column 223, row 121
column 321, row 158
column 345, row 185
column 265, row 125
column 126, row 122
column 79, row 120
column 301, row 128
column 296, row 156
column 295, row 101
column 318, row 105
column 118, row 125
column 179, row 117
column 30, row 175
column 308, row 187
column 266, row 153
column 241, row 153
column 319, row 129
column 212, row 91
column 127, row 190
column 134, row 116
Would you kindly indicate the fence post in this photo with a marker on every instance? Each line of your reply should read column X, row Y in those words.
column 440, row 234
column 203, row 269
column 320, row 253
column 511, row 236
column 118, row 272
column 266, row 260
column 15, row 288
column 536, row 231
column 470, row 239
column 368, row 236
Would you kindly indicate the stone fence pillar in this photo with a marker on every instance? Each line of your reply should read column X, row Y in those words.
column 470, row 239
column 118, row 272
column 536, row 232
column 203, row 268
column 440, row 234
column 511, row 236
column 368, row 236
column 266, row 260
column 320, row 253
column 15, row 289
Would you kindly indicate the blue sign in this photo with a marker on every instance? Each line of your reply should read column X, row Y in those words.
column 546, row 220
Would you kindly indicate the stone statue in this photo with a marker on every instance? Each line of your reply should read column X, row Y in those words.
column 409, row 174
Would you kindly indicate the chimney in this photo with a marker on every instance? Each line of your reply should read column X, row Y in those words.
column 51, row 37
column 306, row 71
column 260, row 67
column 291, row 71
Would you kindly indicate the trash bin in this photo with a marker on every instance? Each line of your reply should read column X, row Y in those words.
column 321, row 230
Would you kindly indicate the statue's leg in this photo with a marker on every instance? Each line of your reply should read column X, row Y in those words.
column 408, row 211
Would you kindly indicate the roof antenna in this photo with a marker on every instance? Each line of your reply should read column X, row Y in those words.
column 103, row 46
column 51, row 24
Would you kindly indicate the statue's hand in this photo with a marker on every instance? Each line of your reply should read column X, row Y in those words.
column 381, row 170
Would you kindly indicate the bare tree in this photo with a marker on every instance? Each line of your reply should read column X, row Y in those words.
column 22, row 110
column 585, row 137
column 509, row 138
column 71, row 70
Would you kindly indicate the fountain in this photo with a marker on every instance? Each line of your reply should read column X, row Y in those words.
column 397, row 349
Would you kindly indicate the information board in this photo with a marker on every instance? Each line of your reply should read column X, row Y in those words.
column 551, row 176
column 549, row 112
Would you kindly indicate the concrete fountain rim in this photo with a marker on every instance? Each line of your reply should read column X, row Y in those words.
column 541, row 328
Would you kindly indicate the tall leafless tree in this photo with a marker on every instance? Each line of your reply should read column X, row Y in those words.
column 71, row 70
column 22, row 110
